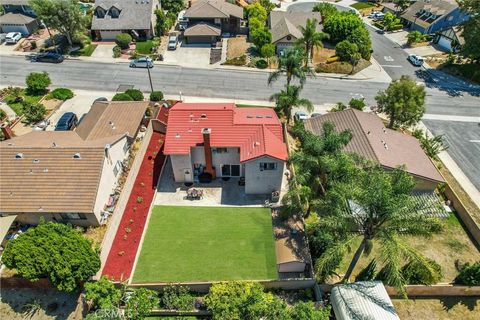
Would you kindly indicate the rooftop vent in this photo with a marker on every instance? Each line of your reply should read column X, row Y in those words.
column 19, row 156
column 54, row 144
column 177, row 135
column 36, row 161
column 77, row 156
column 206, row 130
column 45, row 170
column 203, row 116
column 259, row 117
column 249, row 116
column 268, row 117
column 256, row 144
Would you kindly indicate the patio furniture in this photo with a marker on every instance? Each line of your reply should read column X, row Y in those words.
column 194, row 194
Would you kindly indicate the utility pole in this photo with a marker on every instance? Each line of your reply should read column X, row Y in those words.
column 149, row 76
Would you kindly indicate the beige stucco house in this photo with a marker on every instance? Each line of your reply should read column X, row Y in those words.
column 218, row 140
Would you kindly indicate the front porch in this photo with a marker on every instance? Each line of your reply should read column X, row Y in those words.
column 216, row 193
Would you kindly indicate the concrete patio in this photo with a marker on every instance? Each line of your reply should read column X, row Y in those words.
column 216, row 193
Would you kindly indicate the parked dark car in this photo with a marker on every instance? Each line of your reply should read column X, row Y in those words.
column 51, row 57
column 67, row 122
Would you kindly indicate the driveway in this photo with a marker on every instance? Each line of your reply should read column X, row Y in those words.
column 189, row 55
column 80, row 104
column 10, row 48
column 104, row 51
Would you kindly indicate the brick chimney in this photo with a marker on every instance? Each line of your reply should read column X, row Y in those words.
column 7, row 131
column 208, row 152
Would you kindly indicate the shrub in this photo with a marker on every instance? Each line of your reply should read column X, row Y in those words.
column 368, row 273
column 3, row 114
column 103, row 294
column 177, row 298
column 358, row 104
column 238, row 61
column 38, row 82
column 307, row 310
column 416, row 273
column 156, row 96
column 33, row 112
column 123, row 40
column 62, row 94
column 141, row 303
column 117, row 52
column 416, row 37
column 261, row 64
column 469, row 275
column 268, row 50
column 345, row 50
column 135, row 94
column 122, row 97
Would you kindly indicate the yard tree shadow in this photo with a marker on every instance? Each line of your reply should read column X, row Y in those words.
column 450, row 302
column 452, row 86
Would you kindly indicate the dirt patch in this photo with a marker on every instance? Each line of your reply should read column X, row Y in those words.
column 342, row 67
column 96, row 234
column 51, row 104
column 237, row 47
column 37, row 304
column 321, row 55
column 438, row 309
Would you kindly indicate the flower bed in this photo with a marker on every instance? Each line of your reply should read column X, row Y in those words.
column 122, row 254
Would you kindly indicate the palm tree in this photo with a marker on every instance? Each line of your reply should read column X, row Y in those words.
column 375, row 206
column 311, row 39
column 291, row 63
column 289, row 98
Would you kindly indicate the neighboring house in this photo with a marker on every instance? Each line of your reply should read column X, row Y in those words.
column 388, row 147
column 69, row 176
column 221, row 140
column 450, row 39
column 112, row 17
column 209, row 19
column 362, row 300
column 17, row 6
column 17, row 22
column 430, row 16
column 285, row 27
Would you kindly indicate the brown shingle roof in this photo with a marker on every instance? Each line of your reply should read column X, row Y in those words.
column 214, row 9
column 107, row 119
column 437, row 7
column 284, row 23
column 375, row 142
column 47, row 177
column 15, row 18
column 202, row 29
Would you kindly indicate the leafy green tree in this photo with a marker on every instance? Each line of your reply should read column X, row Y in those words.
column 311, row 39
column 377, row 205
column 345, row 50
column 326, row 10
column 174, row 6
column 471, row 29
column 431, row 145
column 260, row 37
column 267, row 5
column 416, row 37
column 401, row 5
column 268, row 50
column 156, row 96
column 38, row 82
column 339, row 106
column 122, row 97
column 291, row 64
column 53, row 250
column 390, row 21
column 123, row 40
column 141, row 303
column 403, row 102
column 469, row 275
column 242, row 300
column 256, row 10
column 103, row 294
column 357, row 103
column 33, row 112
column 288, row 99
column 135, row 94
column 368, row 273
column 308, row 311
column 65, row 16
column 164, row 24
column 177, row 298
column 361, row 38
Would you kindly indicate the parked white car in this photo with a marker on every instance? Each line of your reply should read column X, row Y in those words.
column 172, row 42
column 416, row 60
column 300, row 115
column 13, row 37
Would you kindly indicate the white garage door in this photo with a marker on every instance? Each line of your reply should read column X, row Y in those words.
column 11, row 28
column 445, row 43
column 109, row 35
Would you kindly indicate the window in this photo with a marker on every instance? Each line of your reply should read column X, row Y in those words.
column 268, row 166
column 117, row 168
column 231, row 170
column 100, row 12
column 114, row 12
column 73, row 216
column 221, row 150
column 218, row 21
column 125, row 147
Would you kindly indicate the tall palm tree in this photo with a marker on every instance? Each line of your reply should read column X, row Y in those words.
column 311, row 39
column 291, row 63
column 289, row 98
column 376, row 206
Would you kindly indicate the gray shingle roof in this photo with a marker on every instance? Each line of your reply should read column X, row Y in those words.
column 287, row 23
column 437, row 7
column 202, row 29
column 134, row 14
column 15, row 18
column 214, row 9
column 373, row 141
column 15, row 2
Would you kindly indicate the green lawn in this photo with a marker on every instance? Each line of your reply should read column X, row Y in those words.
column 207, row 244
column 362, row 5
column 88, row 50
column 17, row 106
column 144, row 47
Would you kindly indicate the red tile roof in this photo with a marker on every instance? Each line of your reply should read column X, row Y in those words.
column 256, row 131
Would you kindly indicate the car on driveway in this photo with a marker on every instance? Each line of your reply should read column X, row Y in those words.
column 67, row 122
column 13, row 37
column 315, row 114
column 416, row 60
column 172, row 42
column 142, row 63
column 41, row 125
column 300, row 115
column 48, row 57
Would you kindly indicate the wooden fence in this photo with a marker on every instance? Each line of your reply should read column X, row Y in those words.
column 437, row 290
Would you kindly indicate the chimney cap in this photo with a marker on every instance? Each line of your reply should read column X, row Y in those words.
column 206, row 130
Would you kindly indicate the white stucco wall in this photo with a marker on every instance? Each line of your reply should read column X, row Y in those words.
column 232, row 156
column 292, row 266
column 266, row 181
column 108, row 179
column 284, row 43
column 179, row 163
